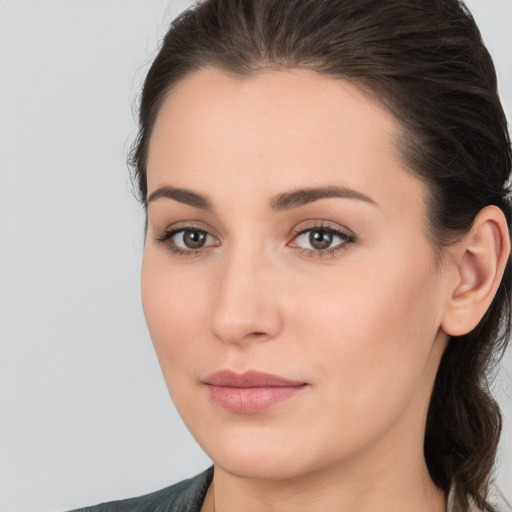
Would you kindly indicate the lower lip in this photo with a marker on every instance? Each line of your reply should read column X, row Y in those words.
column 251, row 400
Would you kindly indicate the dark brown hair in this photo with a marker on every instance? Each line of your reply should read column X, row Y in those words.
column 425, row 61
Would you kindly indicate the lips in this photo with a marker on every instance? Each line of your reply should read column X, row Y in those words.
column 250, row 392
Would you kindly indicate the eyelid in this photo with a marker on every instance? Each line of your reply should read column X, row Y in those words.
column 313, row 224
column 186, row 225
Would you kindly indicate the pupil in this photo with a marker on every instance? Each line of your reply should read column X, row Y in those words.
column 320, row 239
column 194, row 239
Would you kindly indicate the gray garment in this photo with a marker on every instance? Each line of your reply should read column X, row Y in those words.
column 185, row 496
column 188, row 496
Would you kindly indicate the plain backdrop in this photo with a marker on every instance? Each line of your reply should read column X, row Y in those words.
column 85, row 414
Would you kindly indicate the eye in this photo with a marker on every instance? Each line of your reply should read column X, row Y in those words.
column 186, row 240
column 320, row 240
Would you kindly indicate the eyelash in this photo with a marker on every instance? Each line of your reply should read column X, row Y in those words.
column 166, row 239
column 347, row 239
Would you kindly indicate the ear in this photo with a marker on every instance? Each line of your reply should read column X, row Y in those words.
column 479, row 262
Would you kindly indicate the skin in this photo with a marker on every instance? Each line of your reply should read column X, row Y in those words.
column 362, row 325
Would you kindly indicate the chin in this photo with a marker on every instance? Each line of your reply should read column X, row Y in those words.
column 264, row 454
column 273, row 468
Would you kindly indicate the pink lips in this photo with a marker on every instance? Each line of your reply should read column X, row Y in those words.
column 249, row 392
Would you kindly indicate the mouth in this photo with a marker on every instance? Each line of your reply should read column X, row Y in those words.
column 250, row 392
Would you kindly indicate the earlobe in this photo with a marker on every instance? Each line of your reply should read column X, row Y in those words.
column 479, row 265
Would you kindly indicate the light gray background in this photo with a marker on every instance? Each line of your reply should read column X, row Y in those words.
column 85, row 415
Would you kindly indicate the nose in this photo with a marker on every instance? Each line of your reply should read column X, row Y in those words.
column 246, row 307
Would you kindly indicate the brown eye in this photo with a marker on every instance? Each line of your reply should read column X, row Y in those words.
column 193, row 239
column 320, row 240
column 187, row 240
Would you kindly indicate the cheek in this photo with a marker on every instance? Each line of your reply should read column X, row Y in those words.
column 175, row 307
column 369, row 334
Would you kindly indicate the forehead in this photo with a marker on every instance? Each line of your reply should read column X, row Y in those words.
column 273, row 131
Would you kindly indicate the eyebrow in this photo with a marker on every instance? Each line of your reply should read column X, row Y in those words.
column 303, row 196
column 284, row 201
column 181, row 195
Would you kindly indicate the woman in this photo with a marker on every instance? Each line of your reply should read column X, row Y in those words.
column 326, row 275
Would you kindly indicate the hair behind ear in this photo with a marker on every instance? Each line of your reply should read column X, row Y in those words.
column 464, row 421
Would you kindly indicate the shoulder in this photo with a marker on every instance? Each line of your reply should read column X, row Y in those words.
column 185, row 496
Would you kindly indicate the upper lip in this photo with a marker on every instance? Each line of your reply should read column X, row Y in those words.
column 248, row 379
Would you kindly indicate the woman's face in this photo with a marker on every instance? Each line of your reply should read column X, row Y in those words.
column 285, row 236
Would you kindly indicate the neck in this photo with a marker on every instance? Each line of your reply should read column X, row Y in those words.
column 346, row 489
